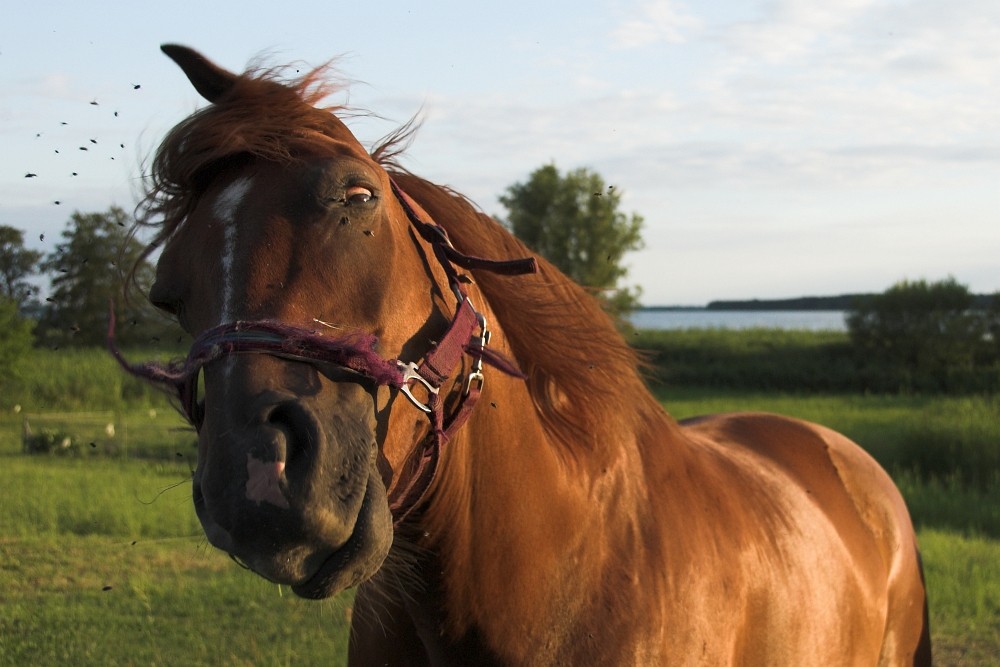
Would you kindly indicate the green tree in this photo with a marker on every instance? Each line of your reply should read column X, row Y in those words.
column 15, row 341
column 928, row 334
column 573, row 221
column 16, row 264
column 89, row 269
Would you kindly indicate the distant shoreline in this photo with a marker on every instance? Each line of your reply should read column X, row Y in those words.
column 806, row 303
column 840, row 302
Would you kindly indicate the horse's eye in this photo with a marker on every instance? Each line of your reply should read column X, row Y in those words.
column 357, row 194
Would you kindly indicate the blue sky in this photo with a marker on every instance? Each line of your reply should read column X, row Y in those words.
column 775, row 149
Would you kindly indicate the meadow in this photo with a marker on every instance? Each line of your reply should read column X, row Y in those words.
column 102, row 561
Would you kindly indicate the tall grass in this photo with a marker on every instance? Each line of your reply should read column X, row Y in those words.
column 775, row 359
column 84, row 379
column 954, row 438
column 754, row 359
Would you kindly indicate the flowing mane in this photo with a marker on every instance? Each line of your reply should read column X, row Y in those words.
column 583, row 377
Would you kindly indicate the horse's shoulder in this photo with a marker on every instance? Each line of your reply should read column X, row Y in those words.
column 766, row 434
column 807, row 451
column 835, row 472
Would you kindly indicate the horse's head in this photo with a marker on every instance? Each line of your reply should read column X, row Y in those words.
column 287, row 252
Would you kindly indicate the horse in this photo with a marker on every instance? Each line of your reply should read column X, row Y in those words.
column 399, row 396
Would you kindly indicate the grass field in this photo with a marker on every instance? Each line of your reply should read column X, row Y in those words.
column 102, row 561
column 109, row 567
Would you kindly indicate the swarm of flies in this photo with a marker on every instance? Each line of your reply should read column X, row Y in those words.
column 84, row 146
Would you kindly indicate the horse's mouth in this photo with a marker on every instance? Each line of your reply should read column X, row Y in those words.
column 357, row 559
column 317, row 570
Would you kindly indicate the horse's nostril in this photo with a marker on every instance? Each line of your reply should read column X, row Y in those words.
column 292, row 421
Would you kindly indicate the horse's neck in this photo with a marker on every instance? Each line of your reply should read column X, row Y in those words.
column 524, row 535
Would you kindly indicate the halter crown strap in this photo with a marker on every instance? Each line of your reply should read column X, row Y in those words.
column 438, row 237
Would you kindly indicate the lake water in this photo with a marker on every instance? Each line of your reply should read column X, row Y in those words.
column 810, row 320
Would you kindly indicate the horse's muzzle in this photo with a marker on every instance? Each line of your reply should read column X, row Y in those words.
column 289, row 487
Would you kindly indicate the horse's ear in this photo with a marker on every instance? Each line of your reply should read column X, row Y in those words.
column 210, row 80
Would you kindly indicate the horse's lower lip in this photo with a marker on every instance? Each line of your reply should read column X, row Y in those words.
column 318, row 585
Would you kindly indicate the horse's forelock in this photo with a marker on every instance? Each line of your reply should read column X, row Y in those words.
column 266, row 114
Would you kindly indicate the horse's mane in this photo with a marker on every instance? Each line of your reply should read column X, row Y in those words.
column 583, row 377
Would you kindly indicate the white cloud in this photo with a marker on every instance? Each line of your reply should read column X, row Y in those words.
column 656, row 21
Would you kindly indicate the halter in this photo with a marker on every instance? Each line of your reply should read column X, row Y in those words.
column 467, row 334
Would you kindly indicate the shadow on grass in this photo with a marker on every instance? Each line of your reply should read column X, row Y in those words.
column 949, row 504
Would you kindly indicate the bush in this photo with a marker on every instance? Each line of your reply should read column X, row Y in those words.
column 924, row 336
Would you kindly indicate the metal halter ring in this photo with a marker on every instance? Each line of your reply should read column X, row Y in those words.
column 412, row 373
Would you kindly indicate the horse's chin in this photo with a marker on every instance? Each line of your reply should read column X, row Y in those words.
column 358, row 559
column 313, row 569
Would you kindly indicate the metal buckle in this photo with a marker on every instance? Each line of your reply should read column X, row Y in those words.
column 476, row 374
column 412, row 372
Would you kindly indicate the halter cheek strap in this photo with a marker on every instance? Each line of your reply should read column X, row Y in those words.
column 467, row 335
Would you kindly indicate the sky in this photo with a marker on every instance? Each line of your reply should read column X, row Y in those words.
column 774, row 149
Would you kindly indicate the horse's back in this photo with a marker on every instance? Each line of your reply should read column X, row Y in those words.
column 846, row 489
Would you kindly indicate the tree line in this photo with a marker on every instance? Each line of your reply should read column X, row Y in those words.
column 88, row 271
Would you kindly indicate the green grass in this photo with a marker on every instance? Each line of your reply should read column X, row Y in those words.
column 99, row 600
column 102, row 561
column 963, row 580
column 79, row 380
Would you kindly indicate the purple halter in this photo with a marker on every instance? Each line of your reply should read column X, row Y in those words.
column 466, row 335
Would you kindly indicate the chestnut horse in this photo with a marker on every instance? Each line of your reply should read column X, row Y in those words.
column 395, row 399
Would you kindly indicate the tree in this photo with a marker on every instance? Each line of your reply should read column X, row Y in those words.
column 928, row 334
column 16, row 264
column 89, row 269
column 15, row 340
column 573, row 221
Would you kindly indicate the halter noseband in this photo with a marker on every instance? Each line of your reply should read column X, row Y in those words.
column 467, row 334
